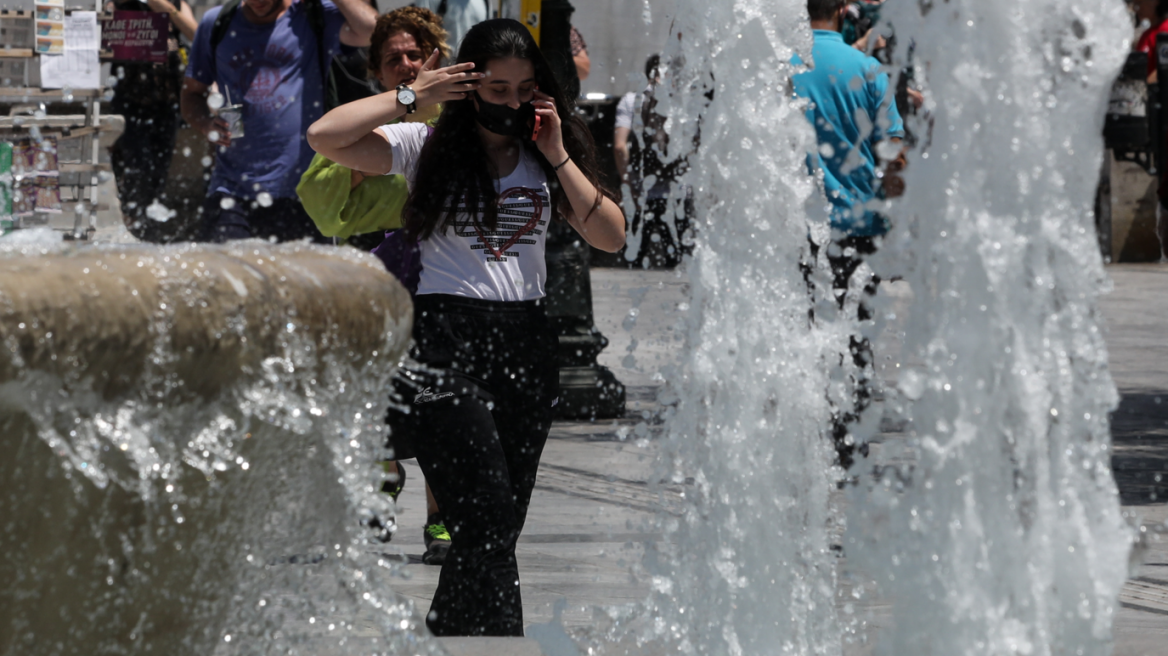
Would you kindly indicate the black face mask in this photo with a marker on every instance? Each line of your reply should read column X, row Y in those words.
column 505, row 121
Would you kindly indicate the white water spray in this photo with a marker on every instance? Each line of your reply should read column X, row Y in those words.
column 1003, row 535
column 1007, row 538
column 748, row 569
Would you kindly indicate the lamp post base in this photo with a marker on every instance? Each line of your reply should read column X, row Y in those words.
column 588, row 390
column 590, row 393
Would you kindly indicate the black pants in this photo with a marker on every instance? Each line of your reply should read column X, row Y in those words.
column 140, row 159
column 659, row 249
column 845, row 256
column 228, row 218
column 480, row 412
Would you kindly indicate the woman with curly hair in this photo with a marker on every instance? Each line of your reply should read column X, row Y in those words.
column 346, row 205
column 402, row 40
column 508, row 156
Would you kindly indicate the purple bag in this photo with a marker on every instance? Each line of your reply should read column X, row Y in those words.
column 402, row 257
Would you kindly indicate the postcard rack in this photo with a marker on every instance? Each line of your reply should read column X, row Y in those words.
column 71, row 117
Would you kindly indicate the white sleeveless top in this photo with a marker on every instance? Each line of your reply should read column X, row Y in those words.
column 505, row 264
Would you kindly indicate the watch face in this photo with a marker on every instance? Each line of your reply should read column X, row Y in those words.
column 406, row 96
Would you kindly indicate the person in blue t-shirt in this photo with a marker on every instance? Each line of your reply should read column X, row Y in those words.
column 852, row 110
column 269, row 61
column 851, row 106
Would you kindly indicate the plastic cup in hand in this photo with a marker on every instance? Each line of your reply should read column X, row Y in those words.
column 233, row 114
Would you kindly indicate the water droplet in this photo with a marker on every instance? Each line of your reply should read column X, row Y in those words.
column 159, row 212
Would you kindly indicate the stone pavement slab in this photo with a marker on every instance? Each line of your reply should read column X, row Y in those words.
column 1136, row 316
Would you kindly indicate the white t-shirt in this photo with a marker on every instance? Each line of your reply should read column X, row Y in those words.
column 506, row 264
column 625, row 109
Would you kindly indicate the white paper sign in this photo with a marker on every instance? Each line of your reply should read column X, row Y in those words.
column 78, row 67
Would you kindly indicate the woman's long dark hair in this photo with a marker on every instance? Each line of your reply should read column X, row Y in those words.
column 453, row 164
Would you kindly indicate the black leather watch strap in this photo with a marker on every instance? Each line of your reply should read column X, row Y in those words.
column 410, row 107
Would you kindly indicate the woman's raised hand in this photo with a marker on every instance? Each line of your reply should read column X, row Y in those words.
column 439, row 85
column 550, row 140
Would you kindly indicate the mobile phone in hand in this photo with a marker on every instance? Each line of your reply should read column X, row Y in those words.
column 538, row 122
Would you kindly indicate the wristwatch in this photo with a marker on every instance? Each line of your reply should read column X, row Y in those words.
column 407, row 97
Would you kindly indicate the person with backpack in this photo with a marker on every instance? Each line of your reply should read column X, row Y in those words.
column 507, row 157
column 270, row 60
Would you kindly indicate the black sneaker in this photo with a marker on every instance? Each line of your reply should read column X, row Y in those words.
column 437, row 540
column 383, row 528
column 393, row 485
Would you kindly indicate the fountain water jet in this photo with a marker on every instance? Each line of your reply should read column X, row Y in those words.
column 1007, row 538
column 747, row 569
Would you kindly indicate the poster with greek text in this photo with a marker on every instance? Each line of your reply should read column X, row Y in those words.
column 137, row 36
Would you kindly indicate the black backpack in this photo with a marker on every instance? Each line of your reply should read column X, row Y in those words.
column 315, row 19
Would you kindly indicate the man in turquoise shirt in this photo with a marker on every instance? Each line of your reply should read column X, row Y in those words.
column 851, row 106
column 852, row 110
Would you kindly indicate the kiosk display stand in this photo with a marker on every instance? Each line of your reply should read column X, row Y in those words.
column 69, row 118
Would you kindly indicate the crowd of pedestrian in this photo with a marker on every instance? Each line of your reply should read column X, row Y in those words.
column 448, row 142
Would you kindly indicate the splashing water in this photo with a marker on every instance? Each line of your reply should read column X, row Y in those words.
column 1004, row 537
column 185, row 473
column 1004, row 534
column 748, row 570
column 159, row 212
column 1007, row 537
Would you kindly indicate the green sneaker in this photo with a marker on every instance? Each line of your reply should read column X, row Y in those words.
column 437, row 540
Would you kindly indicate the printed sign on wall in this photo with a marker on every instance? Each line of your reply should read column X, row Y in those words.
column 50, row 27
column 137, row 36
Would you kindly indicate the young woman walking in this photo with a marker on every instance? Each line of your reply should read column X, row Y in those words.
column 507, row 157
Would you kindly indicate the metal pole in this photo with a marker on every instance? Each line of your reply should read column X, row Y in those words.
column 587, row 389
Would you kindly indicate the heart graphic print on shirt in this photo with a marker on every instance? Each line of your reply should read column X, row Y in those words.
column 520, row 215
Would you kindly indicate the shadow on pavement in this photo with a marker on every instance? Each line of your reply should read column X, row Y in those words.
column 1139, row 432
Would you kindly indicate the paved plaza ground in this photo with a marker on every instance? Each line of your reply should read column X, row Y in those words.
column 592, row 504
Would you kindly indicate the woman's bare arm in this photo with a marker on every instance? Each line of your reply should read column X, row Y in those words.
column 348, row 135
column 598, row 220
